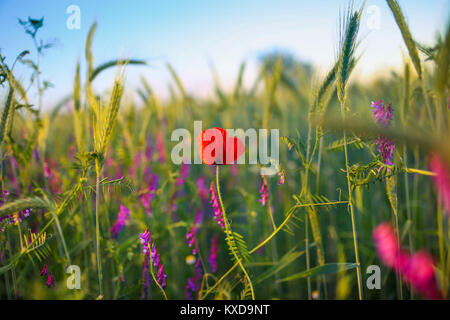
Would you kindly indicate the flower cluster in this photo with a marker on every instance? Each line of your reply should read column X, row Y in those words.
column 50, row 277
column 441, row 180
column 264, row 191
column 416, row 269
column 14, row 218
column 122, row 219
column 218, row 214
column 383, row 115
column 191, row 236
column 151, row 253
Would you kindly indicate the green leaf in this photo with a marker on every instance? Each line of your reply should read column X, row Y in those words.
column 113, row 63
column 286, row 260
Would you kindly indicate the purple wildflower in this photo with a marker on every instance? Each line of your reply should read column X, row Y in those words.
column 386, row 147
column 44, row 270
column 264, row 191
column 383, row 115
column 213, row 253
column 191, row 235
column 218, row 214
column 122, row 219
column 148, row 246
column 50, row 280
column 190, row 288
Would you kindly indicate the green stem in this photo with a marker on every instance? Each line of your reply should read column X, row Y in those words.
column 408, row 211
column 399, row 275
column 307, row 256
column 97, row 230
column 230, row 234
column 352, row 214
column 154, row 278
column 289, row 214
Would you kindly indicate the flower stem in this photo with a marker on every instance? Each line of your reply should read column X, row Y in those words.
column 97, row 229
column 230, row 234
column 352, row 213
column 154, row 278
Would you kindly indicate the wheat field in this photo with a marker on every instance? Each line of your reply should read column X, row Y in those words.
column 94, row 207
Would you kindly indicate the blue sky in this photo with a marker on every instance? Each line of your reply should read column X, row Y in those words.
column 193, row 35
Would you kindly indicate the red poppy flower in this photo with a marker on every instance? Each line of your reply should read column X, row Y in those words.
column 216, row 147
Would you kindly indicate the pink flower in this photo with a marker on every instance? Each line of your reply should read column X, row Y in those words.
column 383, row 115
column 264, row 191
column 420, row 273
column 218, row 214
column 417, row 270
column 122, row 219
column 441, row 180
column 50, row 281
column 44, row 270
column 191, row 236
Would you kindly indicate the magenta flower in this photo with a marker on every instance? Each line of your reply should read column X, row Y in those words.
column 386, row 148
column 213, row 253
column 190, row 288
column 383, row 115
column 218, row 214
column 50, row 280
column 44, row 270
column 13, row 218
column 420, row 273
column 441, row 180
column 122, row 219
column 264, row 191
column 417, row 270
column 149, row 250
column 191, row 236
